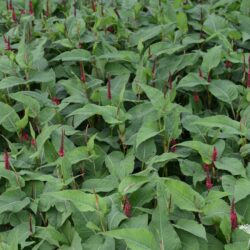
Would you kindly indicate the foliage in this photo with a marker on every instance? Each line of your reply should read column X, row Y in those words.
column 124, row 124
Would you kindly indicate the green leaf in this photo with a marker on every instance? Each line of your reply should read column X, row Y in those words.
column 119, row 165
column 232, row 165
column 28, row 102
column 160, row 225
column 193, row 169
column 82, row 201
column 191, row 81
column 8, row 117
column 182, row 22
column 211, row 59
column 161, row 160
column 73, row 55
column 13, row 201
column 224, row 90
column 10, row 82
column 42, row 138
column 109, row 113
column 203, row 149
column 225, row 123
column 156, row 97
column 184, row 196
column 135, row 238
column 51, row 235
column 131, row 183
column 146, row 131
column 115, row 217
column 192, row 227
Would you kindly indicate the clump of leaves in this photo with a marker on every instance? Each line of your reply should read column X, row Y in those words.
column 124, row 124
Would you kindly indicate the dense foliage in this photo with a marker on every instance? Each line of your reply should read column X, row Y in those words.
column 125, row 124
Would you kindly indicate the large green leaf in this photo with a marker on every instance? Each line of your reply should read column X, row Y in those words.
column 73, row 55
column 232, row 165
column 82, row 201
column 203, row 149
column 8, row 117
column 135, row 238
column 224, row 90
column 184, row 196
column 211, row 59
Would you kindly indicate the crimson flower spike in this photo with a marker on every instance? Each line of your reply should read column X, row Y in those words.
column 170, row 81
column 31, row 10
column 196, row 97
column 93, row 5
column 10, row 5
column 109, row 89
column 82, row 72
column 215, row 154
column 127, row 207
column 233, row 216
column 14, row 19
column 61, row 150
column 209, row 183
column 6, row 158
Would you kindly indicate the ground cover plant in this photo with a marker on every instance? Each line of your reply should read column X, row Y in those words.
column 125, row 124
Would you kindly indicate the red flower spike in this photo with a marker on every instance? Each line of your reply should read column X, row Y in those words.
column 55, row 100
column 6, row 160
column 215, row 154
column 93, row 5
column 109, row 95
column 83, row 76
column 25, row 136
column 10, row 5
column 228, row 64
column 249, row 61
column 173, row 143
column 110, row 29
column 22, row 11
column 127, row 207
column 61, row 150
column 170, row 81
column 233, row 216
column 200, row 73
column 31, row 10
column 209, row 183
column 196, row 97
column 14, row 19
column 33, row 142
column 206, row 167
